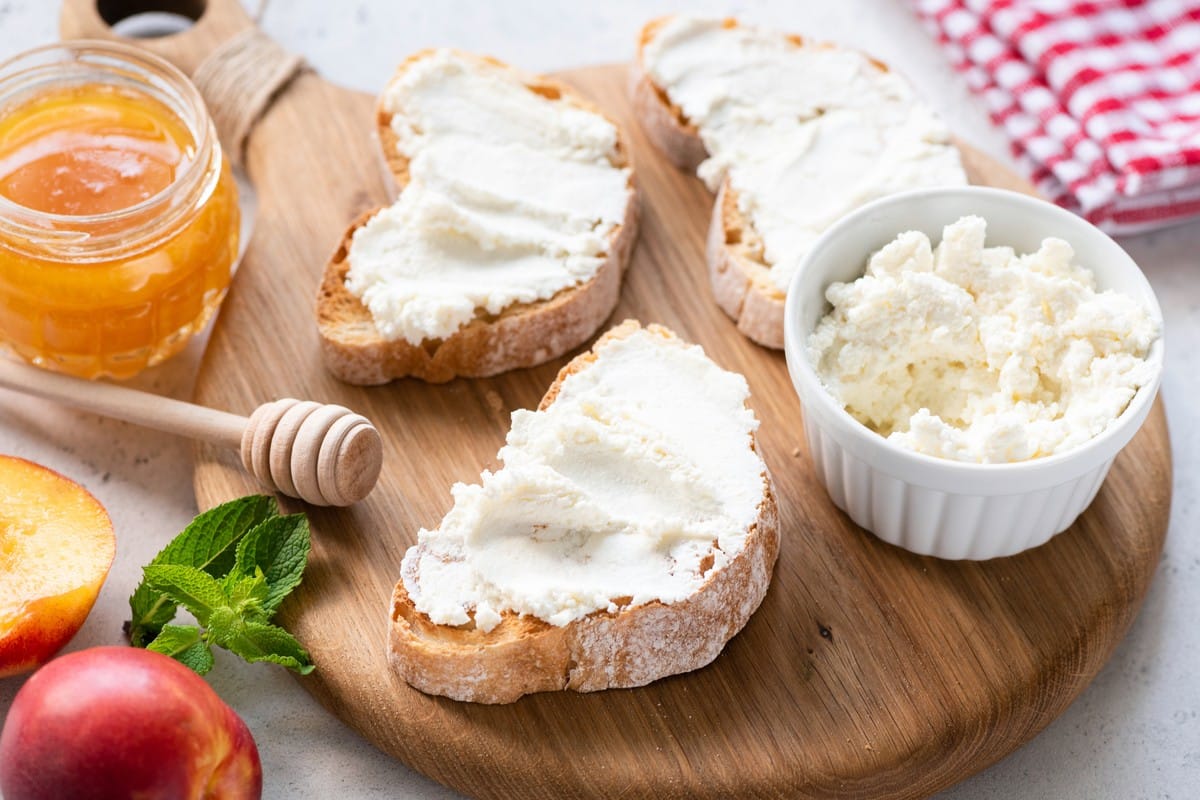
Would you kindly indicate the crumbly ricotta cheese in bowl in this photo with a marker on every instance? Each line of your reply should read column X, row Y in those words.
column 512, row 197
column 979, row 354
column 618, row 490
column 805, row 133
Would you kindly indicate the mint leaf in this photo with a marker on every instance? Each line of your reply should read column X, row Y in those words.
column 151, row 611
column 192, row 588
column 257, row 641
column 279, row 549
column 247, row 595
column 231, row 568
column 223, row 625
column 183, row 643
column 209, row 543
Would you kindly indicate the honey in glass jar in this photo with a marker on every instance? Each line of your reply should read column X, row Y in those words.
column 118, row 214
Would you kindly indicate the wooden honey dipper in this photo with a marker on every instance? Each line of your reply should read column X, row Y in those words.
column 325, row 455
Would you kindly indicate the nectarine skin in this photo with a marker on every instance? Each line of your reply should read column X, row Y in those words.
column 56, row 547
column 43, row 628
column 120, row 722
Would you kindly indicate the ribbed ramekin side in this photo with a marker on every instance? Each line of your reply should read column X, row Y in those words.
column 943, row 524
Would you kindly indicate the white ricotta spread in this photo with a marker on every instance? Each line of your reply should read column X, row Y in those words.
column 978, row 354
column 618, row 491
column 512, row 198
column 805, row 132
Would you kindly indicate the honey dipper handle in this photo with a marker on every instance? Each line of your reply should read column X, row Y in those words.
column 323, row 454
column 131, row 405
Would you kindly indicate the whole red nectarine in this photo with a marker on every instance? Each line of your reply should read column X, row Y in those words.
column 119, row 722
column 56, row 545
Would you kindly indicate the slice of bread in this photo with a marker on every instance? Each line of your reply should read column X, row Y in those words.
column 623, row 645
column 741, row 279
column 520, row 335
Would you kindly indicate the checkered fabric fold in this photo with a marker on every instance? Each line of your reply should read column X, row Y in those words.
column 1101, row 100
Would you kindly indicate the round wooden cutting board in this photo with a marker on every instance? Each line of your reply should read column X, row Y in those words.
column 867, row 671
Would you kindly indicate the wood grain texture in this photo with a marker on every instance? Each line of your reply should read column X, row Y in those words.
column 867, row 672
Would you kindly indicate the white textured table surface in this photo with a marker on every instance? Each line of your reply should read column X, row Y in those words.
column 1135, row 733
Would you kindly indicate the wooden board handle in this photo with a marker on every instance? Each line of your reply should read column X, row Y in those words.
column 217, row 21
column 238, row 69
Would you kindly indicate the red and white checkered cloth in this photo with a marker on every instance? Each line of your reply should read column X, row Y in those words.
column 1101, row 99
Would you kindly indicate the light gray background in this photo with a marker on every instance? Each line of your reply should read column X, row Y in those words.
column 1135, row 733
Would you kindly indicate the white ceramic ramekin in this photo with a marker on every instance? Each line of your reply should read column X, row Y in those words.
column 936, row 506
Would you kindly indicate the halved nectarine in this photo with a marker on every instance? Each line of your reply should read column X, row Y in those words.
column 56, row 546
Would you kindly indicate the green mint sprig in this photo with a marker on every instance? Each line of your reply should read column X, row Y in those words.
column 231, row 568
column 208, row 543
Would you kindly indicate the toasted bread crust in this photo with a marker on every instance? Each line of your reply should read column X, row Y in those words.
column 741, row 280
column 663, row 122
column 630, row 647
column 522, row 335
column 740, row 277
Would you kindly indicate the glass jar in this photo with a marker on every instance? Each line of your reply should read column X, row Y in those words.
column 118, row 214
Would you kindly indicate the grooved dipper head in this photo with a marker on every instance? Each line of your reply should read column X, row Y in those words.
column 325, row 455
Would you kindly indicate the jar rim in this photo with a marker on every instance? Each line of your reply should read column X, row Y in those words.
column 42, row 68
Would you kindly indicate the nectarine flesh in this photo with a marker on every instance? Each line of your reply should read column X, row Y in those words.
column 56, row 546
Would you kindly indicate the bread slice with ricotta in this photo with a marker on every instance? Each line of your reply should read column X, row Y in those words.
column 516, row 216
column 790, row 135
column 630, row 533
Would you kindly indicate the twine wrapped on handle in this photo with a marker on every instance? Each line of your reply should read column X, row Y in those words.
column 239, row 80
